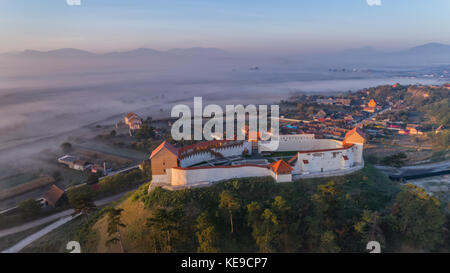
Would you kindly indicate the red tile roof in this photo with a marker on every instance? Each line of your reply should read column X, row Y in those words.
column 280, row 167
column 355, row 130
column 131, row 114
column 293, row 159
column 53, row 195
column 166, row 145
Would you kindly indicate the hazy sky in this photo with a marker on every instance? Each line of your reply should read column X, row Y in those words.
column 235, row 25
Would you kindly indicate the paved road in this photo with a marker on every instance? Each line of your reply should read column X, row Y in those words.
column 56, row 216
column 33, row 237
column 429, row 167
column 65, row 216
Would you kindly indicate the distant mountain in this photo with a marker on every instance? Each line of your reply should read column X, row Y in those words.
column 431, row 53
column 430, row 48
column 58, row 53
column 139, row 52
column 198, row 51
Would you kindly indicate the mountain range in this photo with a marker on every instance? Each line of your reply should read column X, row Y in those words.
column 431, row 53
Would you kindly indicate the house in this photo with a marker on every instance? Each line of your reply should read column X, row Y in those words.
column 369, row 109
column 81, row 165
column 371, row 106
column 321, row 114
column 414, row 129
column 447, row 86
column 54, row 197
column 98, row 169
column 133, row 121
column 394, row 127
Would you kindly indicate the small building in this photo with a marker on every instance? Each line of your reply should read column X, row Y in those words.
column 414, row 129
column 394, row 127
column 54, row 197
column 81, row 165
column 133, row 121
column 321, row 114
column 281, row 171
column 447, row 86
column 98, row 169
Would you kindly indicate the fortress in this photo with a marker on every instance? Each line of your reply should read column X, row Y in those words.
column 203, row 163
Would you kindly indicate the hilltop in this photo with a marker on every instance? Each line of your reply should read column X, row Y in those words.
column 338, row 214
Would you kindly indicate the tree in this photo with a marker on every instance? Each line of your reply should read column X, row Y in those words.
column 80, row 199
column 29, row 208
column 145, row 132
column 396, row 160
column 114, row 224
column 230, row 203
column 265, row 227
column 56, row 175
column 92, row 178
column 288, row 224
column 419, row 217
column 328, row 243
column 206, row 235
column 369, row 227
column 66, row 147
column 165, row 224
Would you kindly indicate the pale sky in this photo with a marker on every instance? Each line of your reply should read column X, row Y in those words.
column 235, row 25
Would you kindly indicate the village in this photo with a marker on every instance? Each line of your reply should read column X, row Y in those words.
column 377, row 115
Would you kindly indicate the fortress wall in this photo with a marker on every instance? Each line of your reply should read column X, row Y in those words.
column 301, row 143
column 181, row 177
column 205, row 156
column 318, row 162
column 195, row 159
column 234, row 150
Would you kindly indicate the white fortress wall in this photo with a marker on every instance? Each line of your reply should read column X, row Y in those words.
column 358, row 153
column 205, row 156
column 181, row 177
column 234, row 150
column 160, row 179
column 317, row 161
column 195, row 159
column 301, row 142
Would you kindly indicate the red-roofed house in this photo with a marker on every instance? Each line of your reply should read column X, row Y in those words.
column 54, row 197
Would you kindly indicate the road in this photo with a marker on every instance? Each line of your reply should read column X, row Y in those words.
column 33, row 237
column 56, row 216
column 411, row 170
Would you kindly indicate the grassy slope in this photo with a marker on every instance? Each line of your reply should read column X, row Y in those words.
column 369, row 185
